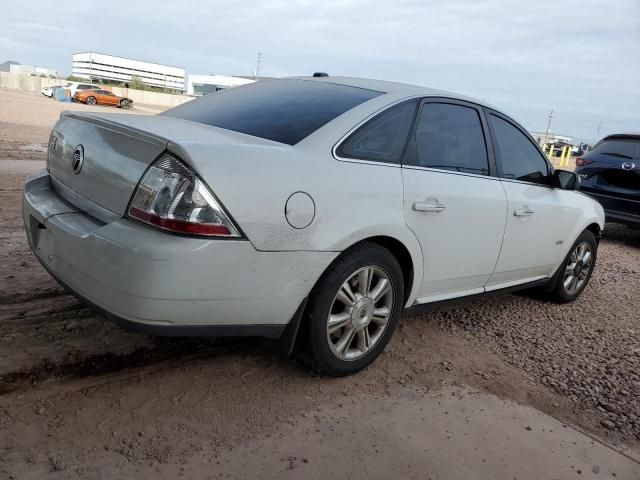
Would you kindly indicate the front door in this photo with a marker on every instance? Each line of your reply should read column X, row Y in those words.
column 539, row 218
column 453, row 203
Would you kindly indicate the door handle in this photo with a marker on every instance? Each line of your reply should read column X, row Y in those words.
column 428, row 207
column 523, row 212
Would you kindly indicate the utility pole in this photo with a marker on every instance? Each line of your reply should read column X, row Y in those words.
column 546, row 134
column 598, row 133
column 258, row 66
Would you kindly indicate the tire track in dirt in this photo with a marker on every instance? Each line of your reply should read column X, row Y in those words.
column 95, row 366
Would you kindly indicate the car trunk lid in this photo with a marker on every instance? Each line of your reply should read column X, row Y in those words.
column 102, row 157
column 621, row 178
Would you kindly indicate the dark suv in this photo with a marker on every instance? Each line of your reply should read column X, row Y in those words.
column 610, row 173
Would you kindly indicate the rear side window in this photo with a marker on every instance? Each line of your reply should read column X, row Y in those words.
column 383, row 138
column 450, row 137
column 520, row 159
column 619, row 148
column 285, row 111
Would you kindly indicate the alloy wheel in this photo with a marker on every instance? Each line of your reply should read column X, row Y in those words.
column 577, row 270
column 360, row 313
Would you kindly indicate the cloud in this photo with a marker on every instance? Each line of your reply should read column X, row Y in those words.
column 578, row 57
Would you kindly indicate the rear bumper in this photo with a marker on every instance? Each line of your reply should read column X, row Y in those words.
column 618, row 209
column 165, row 284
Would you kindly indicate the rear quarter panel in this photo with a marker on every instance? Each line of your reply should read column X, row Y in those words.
column 353, row 201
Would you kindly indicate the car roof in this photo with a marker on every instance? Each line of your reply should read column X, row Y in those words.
column 622, row 136
column 393, row 88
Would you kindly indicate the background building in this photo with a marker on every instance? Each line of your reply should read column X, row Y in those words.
column 101, row 67
column 15, row 67
column 542, row 137
column 199, row 85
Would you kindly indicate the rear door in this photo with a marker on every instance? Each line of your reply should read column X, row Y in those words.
column 109, row 98
column 540, row 218
column 453, row 201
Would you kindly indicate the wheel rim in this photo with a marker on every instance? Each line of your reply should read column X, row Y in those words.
column 360, row 313
column 577, row 270
column 91, row 101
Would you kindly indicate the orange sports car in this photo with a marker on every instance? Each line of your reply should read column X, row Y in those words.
column 102, row 97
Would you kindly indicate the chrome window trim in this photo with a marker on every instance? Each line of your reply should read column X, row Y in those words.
column 441, row 170
column 367, row 162
column 334, row 150
column 526, row 183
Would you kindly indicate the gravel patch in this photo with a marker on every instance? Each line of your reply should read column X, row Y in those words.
column 589, row 350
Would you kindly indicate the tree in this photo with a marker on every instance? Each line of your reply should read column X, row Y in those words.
column 136, row 83
column 71, row 78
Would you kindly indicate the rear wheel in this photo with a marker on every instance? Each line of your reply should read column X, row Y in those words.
column 91, row 100
column 353, row 311
column 575, row 272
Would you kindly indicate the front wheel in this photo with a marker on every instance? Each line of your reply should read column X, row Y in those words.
column 91, row 100
column 353, row 310
column 575, row 272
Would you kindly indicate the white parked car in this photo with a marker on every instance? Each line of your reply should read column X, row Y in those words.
column 73, row 87
column 308, row 210
column 47, row 91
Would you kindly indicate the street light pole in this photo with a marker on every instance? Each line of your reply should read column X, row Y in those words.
column 546, row 134
column 258, row 66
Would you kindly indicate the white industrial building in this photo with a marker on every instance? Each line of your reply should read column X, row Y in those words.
column 550, row 137
column 33, row 70
column 199, row 85
column 101, row 67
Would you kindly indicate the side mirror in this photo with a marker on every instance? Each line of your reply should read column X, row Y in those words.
column 565, row 180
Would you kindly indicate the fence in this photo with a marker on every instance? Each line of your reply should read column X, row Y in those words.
column 32, row 83
column 565, row 154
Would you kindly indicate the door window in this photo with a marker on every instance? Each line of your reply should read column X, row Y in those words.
column 450, row 137
column 520, row 159
column 383, row 138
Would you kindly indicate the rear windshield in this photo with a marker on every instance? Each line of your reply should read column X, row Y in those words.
column 622, row 148
column 284, row 111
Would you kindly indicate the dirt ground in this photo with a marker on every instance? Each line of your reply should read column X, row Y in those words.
column 80, row 398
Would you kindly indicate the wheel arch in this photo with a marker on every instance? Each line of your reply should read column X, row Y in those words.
column 402, row 254
column 595, row 229
column 411, row 272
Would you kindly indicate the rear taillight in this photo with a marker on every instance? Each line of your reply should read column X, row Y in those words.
column 581, row 162
column 170, row 196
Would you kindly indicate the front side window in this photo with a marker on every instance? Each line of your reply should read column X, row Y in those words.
column 520, row 159
column 383, row 138
column 450, row 137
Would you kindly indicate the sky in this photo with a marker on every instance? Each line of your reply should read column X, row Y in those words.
column 580, row 58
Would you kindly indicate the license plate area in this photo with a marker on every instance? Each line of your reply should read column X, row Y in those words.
column 624, row 179
column 43, row 243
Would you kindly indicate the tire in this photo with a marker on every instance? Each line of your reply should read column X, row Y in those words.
column 363, row 315
column 124, row 104
column 91, row 100
column 561, row 291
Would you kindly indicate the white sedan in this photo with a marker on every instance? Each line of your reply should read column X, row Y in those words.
column 47, row 91
column 308, row 210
